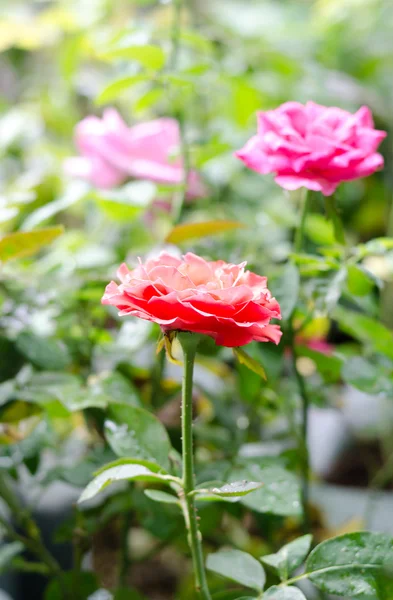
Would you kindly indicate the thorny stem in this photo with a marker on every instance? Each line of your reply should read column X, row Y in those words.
column 189, row 342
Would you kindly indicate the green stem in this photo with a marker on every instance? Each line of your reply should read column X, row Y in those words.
column 305, row 458
column 299, row 235
column 189, row 342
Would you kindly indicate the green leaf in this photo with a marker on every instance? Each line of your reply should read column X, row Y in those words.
column 116, row 388
column 79, row 586
column 334, row 216
column 43, row 352
column 375, row 247
column 329, row 366
column 125, row 472
column 114, row 89
column 369, row 331
column 76, row 191
column 280, row 493
column 353, row 565
column 237, row 488
column 136, row 433
column 188, row 231
column 286, row 290
column 289, row 557
column 359, row 282
column 238, row 566
column 283, row 593
column 249, row 362
column 335, row 288
column 24, row 243
column 149, row 99
column 159, row 496
column 367, row 376
column 151, row 57
column 319, row 230
column 8, row 552
column 311, row 265
column 152, row 466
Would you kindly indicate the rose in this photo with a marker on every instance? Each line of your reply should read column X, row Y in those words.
column 218, row 299
column 112, row 152
column 314, row 146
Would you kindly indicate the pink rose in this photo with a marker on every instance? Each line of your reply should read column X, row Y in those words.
column 218, row 299
column 314, row 146
column 111, row 152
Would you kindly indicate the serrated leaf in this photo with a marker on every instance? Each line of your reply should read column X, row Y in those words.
column 238, row 566
column 160, row 496
column 114, row 89
column 8, row 552
column 280, row 493
column 24, row 243
column 237, row 488
column 136, row 433
column 188, row 231
column 353, row 565
column 45, row 353
column 289, row 557
column 249, row 362
column 128, row 472
column 283, row 593
column 148, row 55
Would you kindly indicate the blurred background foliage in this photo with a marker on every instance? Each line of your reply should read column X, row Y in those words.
column 66, row 360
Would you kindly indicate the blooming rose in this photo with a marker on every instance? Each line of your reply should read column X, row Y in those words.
column 218, row 299
column 112, row 152
column 314, row 146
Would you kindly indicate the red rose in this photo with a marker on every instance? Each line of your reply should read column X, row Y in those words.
column 218, row 299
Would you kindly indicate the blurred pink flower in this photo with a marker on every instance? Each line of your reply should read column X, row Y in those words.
column 111, row 152
column 314, row 146
column 221, row 300
column 319, row 344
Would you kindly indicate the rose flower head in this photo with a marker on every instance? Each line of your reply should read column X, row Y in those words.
column 314, row 146
column 111, row 152
column 218, row 299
